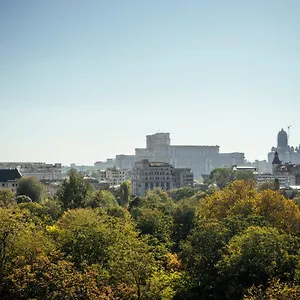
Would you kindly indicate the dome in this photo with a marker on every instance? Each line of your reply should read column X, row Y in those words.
column 282, row 139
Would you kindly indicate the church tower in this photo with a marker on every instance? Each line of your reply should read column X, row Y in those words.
column 275, row 163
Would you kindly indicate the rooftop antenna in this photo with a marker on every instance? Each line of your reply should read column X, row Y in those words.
column 289, row 131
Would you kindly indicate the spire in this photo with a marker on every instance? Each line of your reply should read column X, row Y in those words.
column 276, row 160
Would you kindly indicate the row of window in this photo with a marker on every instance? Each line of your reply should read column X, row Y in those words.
column 14, row 184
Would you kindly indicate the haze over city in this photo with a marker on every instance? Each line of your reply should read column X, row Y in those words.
column 81, row 81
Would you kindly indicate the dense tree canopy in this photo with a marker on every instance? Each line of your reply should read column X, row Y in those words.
column 31, row 187
column 75, row 191
column 234, row 242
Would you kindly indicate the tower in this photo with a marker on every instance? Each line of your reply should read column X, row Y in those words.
column 282, row 140
column 275, row 163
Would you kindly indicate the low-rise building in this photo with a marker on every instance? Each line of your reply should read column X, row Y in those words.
column 9, row 179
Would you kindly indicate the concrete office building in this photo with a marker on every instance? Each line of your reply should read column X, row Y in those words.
column 113, row 176
column 125, row 162
column 183, row 177
column 150, row 175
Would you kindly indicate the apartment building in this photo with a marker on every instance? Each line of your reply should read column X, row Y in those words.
column 113, row 176
column 183, row 177
column 150, row 175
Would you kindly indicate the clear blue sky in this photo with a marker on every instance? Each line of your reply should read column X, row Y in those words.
column 84, row 80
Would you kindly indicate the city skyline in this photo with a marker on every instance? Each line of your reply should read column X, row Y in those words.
column 82, row 82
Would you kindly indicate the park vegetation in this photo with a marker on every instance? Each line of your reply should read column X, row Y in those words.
column 231, row 240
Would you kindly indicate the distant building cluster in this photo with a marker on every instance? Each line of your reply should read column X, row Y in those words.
column 287, row 153
column 285, row 164
column 40, row 170
column 200, row 159
column 161, row 164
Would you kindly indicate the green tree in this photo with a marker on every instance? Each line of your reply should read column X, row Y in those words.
column 31, row 187
column 221, row 177
column 132, row 263
column 7, row 198
column 244, row 175
column 75, row 191
column 200, row 253
column 51, row 277
column 23, row 199
column 124, row 193
column 181, row 193
column 102, row 199
column 276, row 184
column 153, row 222
column 275, row 290
column 265, row 186
column 19, row 236
column 256, row 256
column 183, row 219
column 85, row 235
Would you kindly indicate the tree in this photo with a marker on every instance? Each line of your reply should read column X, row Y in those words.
column 276, row 184
column 19, row 237
column 153, row 222
column 183, row 219
column 31, row 187
column 75, row 191
column 274, row 290
column 7, row 198
column 266, row 186
column 124, row 193
column 221, row 177
column 200, row 253
column 23, row 199
column 256, row 256
column 103, row 199
column 132, row 263
column 244, row 175
column 51, row 277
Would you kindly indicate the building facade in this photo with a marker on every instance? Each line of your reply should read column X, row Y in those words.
column 151, row 175
column 9, row 179
column 103, row 165
column 125, row 162
column 227, row 160
column 113, row 176
column 183, row 177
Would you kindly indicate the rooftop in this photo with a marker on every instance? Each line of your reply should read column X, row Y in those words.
column 9, row 175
